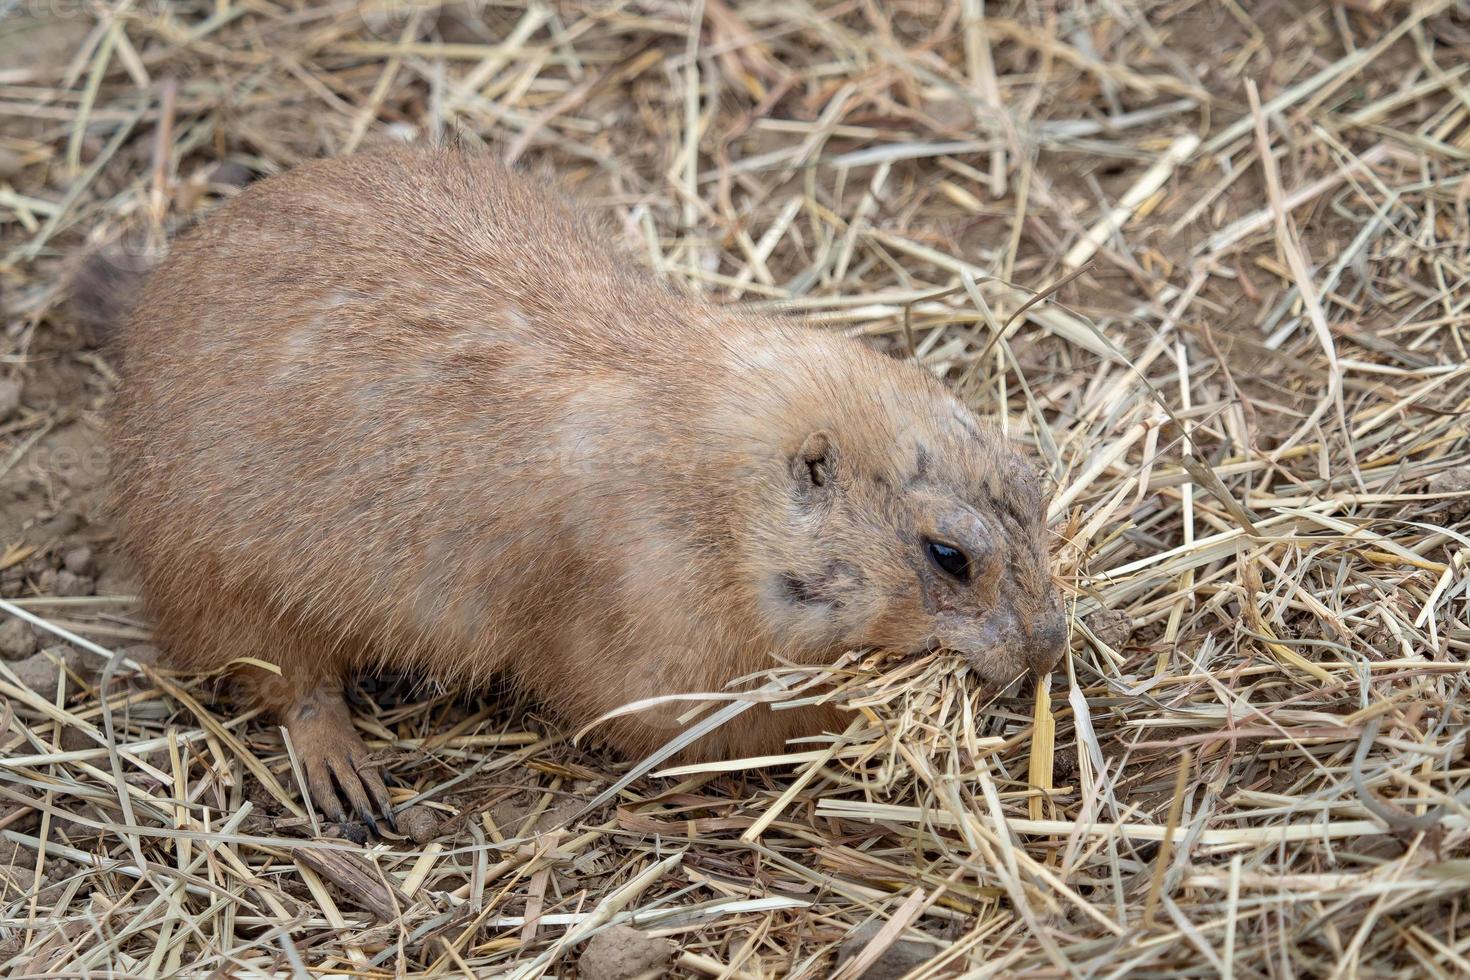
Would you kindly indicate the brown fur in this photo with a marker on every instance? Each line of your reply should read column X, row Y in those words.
column 408, row 410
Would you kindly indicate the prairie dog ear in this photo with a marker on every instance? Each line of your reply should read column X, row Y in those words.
column 813, row 464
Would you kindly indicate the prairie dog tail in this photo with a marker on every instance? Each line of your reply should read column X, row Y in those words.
column 105, row 285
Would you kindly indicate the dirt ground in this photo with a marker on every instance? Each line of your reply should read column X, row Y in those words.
column 1266, row 692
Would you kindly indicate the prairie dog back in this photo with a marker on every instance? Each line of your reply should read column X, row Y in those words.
column 408, row 409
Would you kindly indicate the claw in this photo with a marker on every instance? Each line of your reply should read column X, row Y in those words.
column 373, row 781
column 350, row 779
column 319, row 782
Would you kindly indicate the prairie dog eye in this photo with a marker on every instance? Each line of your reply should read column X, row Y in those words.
column 949, row 560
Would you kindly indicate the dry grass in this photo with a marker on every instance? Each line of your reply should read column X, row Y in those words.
column 1252, row 393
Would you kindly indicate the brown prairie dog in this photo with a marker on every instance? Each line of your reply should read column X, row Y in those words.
column 409, row 410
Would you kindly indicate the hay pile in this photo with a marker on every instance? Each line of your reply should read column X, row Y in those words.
column 1248, row 377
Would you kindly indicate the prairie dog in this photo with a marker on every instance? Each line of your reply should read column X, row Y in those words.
column 408, row 409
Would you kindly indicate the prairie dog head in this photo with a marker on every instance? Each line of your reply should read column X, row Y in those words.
column 897, row 519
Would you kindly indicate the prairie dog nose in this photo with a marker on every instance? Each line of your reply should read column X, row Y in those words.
column 1002, row 646
column 1047, row 644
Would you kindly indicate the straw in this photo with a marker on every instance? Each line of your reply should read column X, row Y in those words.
column 1207, row 263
